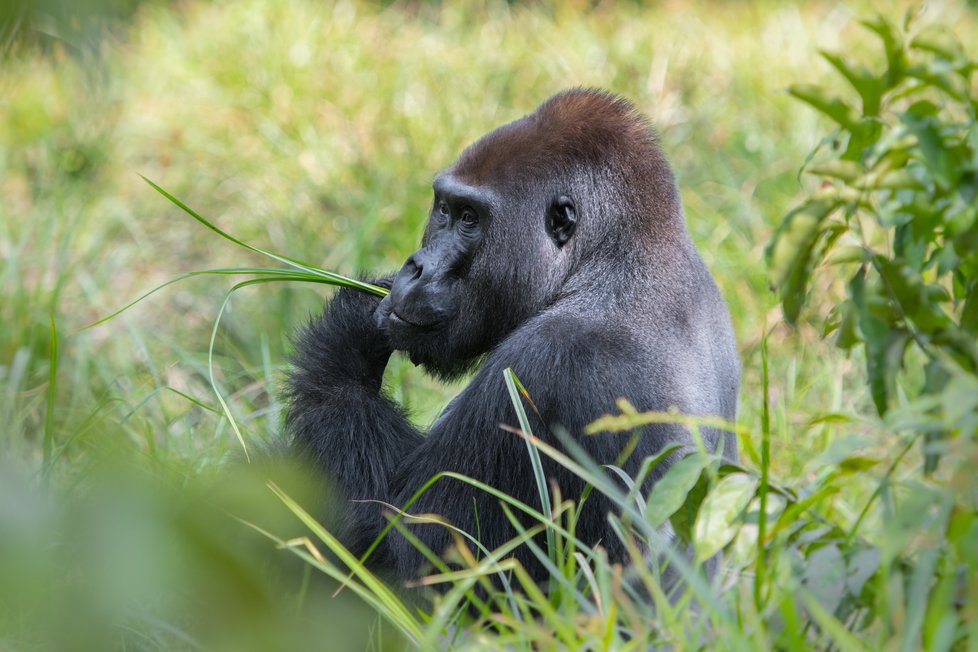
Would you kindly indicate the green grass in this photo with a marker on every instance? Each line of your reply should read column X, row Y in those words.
column 314, row 131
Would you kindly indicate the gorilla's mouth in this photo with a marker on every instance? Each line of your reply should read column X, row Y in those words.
column 399, row 319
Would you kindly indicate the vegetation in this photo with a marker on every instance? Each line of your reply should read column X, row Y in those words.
column 129, row 517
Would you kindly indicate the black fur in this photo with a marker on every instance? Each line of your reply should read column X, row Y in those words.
column 605, row 298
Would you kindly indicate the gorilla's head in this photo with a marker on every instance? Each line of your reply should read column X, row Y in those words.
column 576, row 190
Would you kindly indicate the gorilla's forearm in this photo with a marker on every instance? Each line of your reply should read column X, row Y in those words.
column 337, row 418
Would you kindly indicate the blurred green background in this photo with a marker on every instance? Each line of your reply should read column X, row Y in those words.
column 314, row 129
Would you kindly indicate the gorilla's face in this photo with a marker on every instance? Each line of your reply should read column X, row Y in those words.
column 432, row 316
column 487, row 263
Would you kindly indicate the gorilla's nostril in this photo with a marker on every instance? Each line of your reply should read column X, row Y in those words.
column 413, row 267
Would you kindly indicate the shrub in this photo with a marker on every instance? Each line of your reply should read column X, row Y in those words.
column 895, row 216
column 896, row 208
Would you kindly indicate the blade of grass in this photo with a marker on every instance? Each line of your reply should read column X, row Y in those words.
column 515, row 389
column 380, row 596
column 693, row 579
column 410, row 629
column 760, row 568
column 210, row 352
column 547, row 563
column 840, row 636
column 52, row 391
column 221, row 271
column 333, row 278
column 292, row 277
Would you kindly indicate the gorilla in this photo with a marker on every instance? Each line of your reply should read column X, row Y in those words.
column 556, row 246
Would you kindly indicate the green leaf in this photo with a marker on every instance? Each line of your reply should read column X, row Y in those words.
column 949, row 82
column 684, row 518
column 789, row 254
column 819, row 99
column 858, row 463
column 863, row 135
column 840, row 636
column 837, row 169
column 516, row 389
column 969, row 314
column 917, row 301
column 861, row 566
column 892, row 46
column 825, row 576
column 848, row 254
column 328, row 277
column 719, row 516
column 940, row 41
column 838, row 451
column 669, row 492
column 868, row 85
column 883, row 343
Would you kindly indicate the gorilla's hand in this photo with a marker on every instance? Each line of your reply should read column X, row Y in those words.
column 350, row 339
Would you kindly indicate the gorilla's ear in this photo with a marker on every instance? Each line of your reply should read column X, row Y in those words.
column 561, row 219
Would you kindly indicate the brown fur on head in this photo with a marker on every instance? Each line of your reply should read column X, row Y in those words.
column 580, row 127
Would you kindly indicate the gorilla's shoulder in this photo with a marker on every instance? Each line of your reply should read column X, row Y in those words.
column 569, row 347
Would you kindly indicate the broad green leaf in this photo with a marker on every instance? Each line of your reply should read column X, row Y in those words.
column 923, row 109
column 841, row 637
column 884, row 358
column 868, row 85
column 848, row 331
column 719, row 516
column 820, row 99
column 882, row 343
column 825, row 576
column 669, row 492
column 915, row 300
column 892, row 46
column 789, row 254
column 861, row 566
column 684, row 518
column 862, row 137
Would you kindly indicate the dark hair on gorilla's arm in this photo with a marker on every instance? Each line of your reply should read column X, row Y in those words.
column 337, row 418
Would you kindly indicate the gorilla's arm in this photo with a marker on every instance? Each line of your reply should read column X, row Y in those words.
column 337, row 417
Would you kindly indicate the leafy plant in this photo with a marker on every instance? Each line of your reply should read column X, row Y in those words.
column 895, row 211
column 896, row 207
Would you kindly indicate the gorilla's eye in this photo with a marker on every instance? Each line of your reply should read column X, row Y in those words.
column 443, row 209
column 469, row 217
